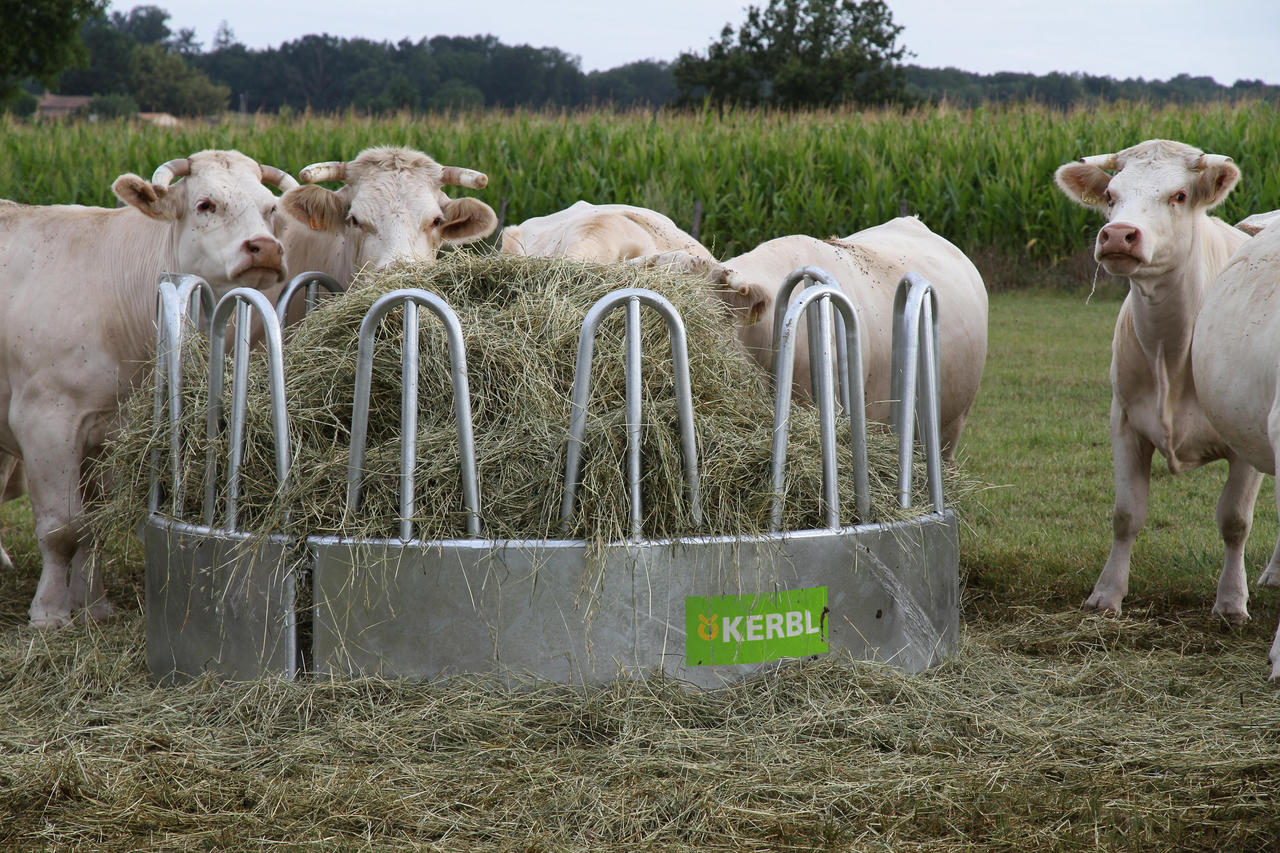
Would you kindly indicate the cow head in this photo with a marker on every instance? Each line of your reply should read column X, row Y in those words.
column 1154, row 196
column 391, row 207
column 224, row 226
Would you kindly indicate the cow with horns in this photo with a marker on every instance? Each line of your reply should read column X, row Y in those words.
column 391, row 208
column 64, row 373
column 1156, row 197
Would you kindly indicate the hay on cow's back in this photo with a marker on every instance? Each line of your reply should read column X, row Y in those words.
column 520, row 320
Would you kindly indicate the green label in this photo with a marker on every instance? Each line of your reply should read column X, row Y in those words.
column 724, row 629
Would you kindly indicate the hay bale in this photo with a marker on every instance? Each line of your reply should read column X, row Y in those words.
column 520, row 319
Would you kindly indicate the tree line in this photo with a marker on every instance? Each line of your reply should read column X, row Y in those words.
column 786, row 54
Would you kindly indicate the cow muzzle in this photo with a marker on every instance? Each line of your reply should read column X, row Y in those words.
column 1120, row 248
column 261, row 262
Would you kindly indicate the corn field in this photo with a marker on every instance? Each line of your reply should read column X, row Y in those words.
column 982, row 177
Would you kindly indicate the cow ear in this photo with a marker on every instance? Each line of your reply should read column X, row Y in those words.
column 317, row 207
column 510, row 241
column 746, row 301
column 467, row 220
column 1215, row 182
column 1084, row 184
column 154, row 200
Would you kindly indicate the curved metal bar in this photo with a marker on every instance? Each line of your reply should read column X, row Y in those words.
column 189, row 288
column 829, row 294
column 241, row 301
column 810, row 275
column 633, row 297
column 411, row 298
column 313, row 281
column 914, row 383
column 175, row 295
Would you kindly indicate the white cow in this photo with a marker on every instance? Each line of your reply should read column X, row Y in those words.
column 390, row 208
column 868, row 264
column 1156, row 196
column 77, row 328
column 1236, row 364
column 599, row 232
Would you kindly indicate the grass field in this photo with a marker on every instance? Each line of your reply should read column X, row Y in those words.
column 1050, row 730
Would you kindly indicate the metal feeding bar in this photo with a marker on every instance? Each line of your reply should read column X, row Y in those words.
column 822, row 296
column 411, row 298
column 242, row 301
column 809, row 276
column 915, row 383
column 312, row 282
column 632, row 298
column 176, row 296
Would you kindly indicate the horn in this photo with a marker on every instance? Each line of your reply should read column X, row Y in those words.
column 456, row 176
column 1207, row 160
column 1102, row 161
column 278, row 178
column 173, row 169
column 334, row 170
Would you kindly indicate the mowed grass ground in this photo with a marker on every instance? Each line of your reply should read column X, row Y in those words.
column 1050, row 730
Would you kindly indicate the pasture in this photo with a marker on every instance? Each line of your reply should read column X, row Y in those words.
column 1050, row 730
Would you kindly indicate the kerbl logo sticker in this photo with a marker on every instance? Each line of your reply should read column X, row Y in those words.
column 724, row 629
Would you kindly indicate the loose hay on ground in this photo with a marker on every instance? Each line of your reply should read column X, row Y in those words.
column 1021, row 742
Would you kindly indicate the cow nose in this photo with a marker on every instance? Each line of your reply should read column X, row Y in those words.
column 1119, row 239
column 266, row 251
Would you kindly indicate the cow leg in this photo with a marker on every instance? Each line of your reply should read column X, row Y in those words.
column 8, row 467
column 1274, row 657
column 1271, row 574
column 1131, row 457
column 950, row 437
column 1235, row 519
column 53, row 458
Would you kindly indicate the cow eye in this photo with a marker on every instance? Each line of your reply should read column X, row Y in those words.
column 353, row 222
column 205, row 206
column 437, row 222
column 1180, row 197
column 1107, row 196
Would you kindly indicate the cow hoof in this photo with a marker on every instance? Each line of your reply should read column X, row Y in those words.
column 100, row 611
column 1270, row 577
column 50, row 620
column 1102, row 604
column 1234, row 616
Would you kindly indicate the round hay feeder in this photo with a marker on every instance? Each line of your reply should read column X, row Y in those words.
column 701, row 608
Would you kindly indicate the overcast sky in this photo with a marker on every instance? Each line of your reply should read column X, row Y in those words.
column 1153, row 39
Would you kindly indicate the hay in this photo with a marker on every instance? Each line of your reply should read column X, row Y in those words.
column 1051, row 732
column 520, row 319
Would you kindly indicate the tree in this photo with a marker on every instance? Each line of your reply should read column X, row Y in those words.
column 163, row 82
column 143, row 24
column 41, row 38
column 225, row 37
column 800, row 53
